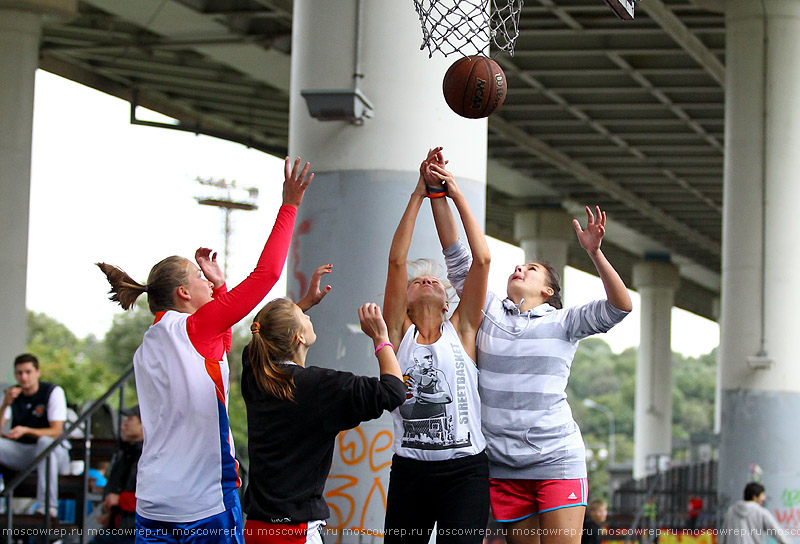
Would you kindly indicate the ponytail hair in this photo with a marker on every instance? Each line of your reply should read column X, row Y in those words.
column 165, row 277
column 553, row 300
column 275, row 340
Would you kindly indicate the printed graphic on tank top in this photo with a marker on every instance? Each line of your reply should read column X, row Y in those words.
column 440, row 418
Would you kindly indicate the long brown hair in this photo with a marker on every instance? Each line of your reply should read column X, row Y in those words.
column 275, row 340
column 164, row 278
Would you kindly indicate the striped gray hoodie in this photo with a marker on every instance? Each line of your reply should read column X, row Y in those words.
column 524, row 360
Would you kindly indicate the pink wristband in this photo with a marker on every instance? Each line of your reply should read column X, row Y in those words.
column 383, row 345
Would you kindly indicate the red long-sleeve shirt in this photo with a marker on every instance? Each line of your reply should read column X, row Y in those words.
column 209, row 327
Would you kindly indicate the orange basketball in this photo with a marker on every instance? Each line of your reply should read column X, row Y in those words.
column 474, row 87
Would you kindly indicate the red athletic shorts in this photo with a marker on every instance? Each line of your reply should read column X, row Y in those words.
column 261, row 532
column 513, row 500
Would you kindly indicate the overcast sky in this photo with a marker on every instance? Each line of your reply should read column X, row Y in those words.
column 105, row 190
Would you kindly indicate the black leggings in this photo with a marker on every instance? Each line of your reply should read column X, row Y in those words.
column 454, row 494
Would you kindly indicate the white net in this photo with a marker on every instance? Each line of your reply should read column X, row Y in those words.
column 468, row 27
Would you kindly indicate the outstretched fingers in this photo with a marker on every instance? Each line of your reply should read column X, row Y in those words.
column 295, row 181
column 590, row 216
column 305, row 178
column 316, row 278
column 205, row 254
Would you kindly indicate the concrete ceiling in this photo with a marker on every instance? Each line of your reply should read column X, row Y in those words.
column 628, row 115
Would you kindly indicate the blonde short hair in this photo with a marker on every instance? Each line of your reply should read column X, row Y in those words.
column 429, row 267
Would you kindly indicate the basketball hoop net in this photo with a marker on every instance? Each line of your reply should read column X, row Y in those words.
column 468, row 27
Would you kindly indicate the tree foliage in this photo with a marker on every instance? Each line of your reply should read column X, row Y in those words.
column 67, row 361
column 125, row 336
column 610, row 379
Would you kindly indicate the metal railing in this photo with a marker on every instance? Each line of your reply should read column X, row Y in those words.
column 84, row 420
column 668, row 491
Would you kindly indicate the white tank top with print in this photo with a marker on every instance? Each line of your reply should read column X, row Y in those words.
column 440, row 418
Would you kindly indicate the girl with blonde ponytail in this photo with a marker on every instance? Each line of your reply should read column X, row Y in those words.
column 187, row 476
column 294, row 413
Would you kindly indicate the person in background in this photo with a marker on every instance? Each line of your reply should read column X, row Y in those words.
column 596, row 516
column 694, row 508
column 748, row 522
column 119, row 498
column 37, row 411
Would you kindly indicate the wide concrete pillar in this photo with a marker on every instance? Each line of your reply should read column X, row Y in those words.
column 759, row 372
column 544, row 235
column 20, row 29
column 364, row 177
column 656, row 282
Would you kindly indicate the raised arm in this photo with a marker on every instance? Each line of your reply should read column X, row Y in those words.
column 467, row 317
column 394, row 306
column 446, row 226
column 457, row 257
column 227, row 308
column 590, row 239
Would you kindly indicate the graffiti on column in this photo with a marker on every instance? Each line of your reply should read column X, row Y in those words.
column 789, row 513
column 351, row 508
column 302, row 280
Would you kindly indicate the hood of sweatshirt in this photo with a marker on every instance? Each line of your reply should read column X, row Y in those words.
column 748, row 509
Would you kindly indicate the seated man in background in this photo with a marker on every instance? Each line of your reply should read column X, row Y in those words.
column 119, row 502
column 593, row 522
column 37, row 411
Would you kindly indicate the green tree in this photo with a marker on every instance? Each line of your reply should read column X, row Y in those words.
column 237, row 413
column 610, row 379
column 125, row 336
column 67, row 361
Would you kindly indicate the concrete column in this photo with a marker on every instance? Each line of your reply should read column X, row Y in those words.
column 20, row 28
column 545, row 235
column 759, row 374
column 656, row 282
column 364, row 177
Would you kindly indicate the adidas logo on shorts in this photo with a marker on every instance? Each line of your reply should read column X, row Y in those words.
column 572, row 496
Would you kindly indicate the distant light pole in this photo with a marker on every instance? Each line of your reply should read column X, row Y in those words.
column 589, row 403
column 227, row 203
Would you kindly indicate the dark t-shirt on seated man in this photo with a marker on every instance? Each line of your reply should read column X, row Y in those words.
column 31, row 411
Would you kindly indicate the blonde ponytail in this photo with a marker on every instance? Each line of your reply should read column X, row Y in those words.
column 275, row 340
column 165, row 277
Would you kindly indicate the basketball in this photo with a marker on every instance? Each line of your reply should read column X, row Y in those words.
column 474, row 87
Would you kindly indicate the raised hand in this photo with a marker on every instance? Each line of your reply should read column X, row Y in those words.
column 11, row 394
column 372, row 322
column 435, row 156
column 420, row 189
column 591, row 237
column 446, row 178
column 294, row 183
column 314, row 295
column 207, row 261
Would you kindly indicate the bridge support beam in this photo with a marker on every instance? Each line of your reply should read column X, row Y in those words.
column 364, row 177
column 656, row 282
column 759, row 374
